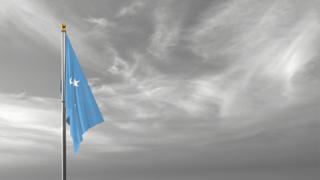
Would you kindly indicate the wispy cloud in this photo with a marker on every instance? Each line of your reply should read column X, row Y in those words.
column 35, row 20
column 165, row 33
column 263, row 64
column 131, row 9
column 100, row 22
column 32, row 18
column 232, row 81
column 32, row 128
column 28, row 123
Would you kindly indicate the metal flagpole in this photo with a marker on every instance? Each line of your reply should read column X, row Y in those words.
column 63, row 71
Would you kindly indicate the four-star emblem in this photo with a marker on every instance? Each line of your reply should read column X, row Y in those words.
column 74, row 82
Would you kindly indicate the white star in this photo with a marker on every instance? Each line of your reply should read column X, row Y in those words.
column 75, row 82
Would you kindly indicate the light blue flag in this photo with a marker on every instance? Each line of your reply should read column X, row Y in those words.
column 82, row 111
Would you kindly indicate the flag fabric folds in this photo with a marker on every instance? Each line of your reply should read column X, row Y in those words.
column 82, row 112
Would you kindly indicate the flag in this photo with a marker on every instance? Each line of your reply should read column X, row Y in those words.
column 82, row 112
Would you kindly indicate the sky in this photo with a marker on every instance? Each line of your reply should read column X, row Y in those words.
column 205, row 89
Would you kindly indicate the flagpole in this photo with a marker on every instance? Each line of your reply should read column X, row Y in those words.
column 63, row 70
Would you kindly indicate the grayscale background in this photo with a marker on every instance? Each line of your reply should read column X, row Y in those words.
column 189, row 89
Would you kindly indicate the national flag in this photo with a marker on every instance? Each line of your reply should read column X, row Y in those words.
column 82, row 112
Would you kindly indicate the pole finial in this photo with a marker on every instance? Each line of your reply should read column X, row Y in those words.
column 63, row 27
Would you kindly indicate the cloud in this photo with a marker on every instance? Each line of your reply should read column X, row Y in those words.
column 36, row 20
column 130, row 9
column 119, row 66
column 32, row 129
column 260, row 51
column 32, row 18
column 101, row 22
column 165, row 33
column 29, row 124
column 191, row 86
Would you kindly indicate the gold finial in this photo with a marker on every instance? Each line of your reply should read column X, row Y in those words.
column 63, row 27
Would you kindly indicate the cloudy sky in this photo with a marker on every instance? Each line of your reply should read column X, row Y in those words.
column 189, row 89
